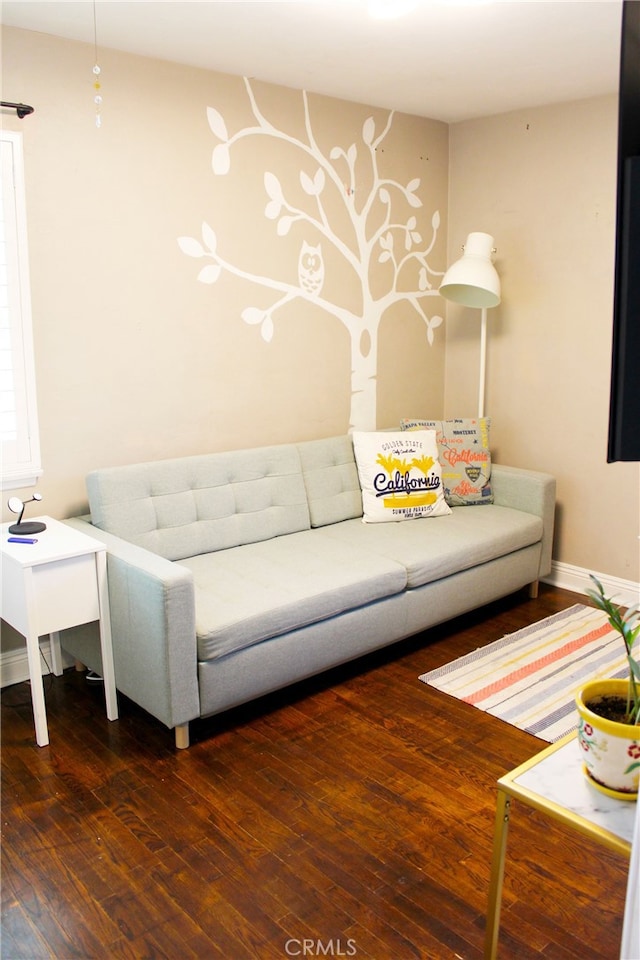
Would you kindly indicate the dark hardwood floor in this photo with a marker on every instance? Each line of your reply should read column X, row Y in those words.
column 354, row 812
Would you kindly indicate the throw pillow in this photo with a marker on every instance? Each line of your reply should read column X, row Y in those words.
column 463, row 450
column 400, row 475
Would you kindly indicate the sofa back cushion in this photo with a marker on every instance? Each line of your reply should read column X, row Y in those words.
column 191, row 505
column 331, row 480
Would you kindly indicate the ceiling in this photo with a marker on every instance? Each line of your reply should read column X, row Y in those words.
column 449, row 60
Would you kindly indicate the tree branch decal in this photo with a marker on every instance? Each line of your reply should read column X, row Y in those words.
column 379, row 237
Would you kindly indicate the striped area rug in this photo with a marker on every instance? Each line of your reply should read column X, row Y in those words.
column 530, row 678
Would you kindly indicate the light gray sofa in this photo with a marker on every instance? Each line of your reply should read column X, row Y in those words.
column 235, row 574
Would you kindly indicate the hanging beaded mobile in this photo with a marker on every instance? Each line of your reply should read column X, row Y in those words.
column 97, row 86
column 98, row 97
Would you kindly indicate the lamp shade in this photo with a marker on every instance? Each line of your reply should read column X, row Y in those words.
column 472, row 280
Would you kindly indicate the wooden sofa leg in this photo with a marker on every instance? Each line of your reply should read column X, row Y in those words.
column 533, row 589
column 182, row 736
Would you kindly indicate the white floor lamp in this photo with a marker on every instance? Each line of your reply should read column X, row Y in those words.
column 472, row 281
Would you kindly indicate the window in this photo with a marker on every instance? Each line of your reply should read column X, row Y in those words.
column 18, row 413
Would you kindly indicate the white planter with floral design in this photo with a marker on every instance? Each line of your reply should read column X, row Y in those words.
column 610, row 750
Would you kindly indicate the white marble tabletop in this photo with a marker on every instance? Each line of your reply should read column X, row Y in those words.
column 558, row 779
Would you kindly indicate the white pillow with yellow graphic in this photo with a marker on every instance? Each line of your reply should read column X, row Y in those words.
column 400, row 475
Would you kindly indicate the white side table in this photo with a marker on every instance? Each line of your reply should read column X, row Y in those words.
column 58, row 582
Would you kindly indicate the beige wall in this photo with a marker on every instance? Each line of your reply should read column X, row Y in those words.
column 543, row 183
column 138, row 360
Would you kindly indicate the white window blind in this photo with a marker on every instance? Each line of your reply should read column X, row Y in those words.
column 19, row 437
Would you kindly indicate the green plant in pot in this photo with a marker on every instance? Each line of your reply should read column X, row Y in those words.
column 609, row 711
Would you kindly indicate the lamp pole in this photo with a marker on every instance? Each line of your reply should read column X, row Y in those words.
column 483, row 362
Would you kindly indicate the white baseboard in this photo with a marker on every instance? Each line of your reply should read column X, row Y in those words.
column 14, row 666
column 569, row 577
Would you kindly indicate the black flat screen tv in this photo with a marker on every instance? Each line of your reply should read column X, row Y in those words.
column 624, row 410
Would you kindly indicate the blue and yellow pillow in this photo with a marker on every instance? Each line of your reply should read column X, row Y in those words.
column 463, row 451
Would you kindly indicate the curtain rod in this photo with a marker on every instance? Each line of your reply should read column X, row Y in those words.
column 22, row 109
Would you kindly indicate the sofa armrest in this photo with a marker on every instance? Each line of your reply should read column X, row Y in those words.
column 152, row 608
column 532, row 492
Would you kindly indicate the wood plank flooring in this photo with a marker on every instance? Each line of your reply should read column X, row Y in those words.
column 351, row 815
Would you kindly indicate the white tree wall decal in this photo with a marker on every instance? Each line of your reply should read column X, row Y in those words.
column 377, row 236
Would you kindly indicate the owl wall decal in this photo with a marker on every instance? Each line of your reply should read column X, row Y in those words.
column 310, row 268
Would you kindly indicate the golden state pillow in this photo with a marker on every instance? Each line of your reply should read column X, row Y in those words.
column 463, row 449
column 400, row 475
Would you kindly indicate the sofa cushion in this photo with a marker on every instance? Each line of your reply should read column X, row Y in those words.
column 463, row 451
column 260, row 590
column 444, row 545
column 183, row 507
column 400, row 475
column 331, row 480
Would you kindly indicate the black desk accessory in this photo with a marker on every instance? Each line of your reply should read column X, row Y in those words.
column 16, row 505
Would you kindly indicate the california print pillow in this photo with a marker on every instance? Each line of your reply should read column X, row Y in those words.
column 400, row 475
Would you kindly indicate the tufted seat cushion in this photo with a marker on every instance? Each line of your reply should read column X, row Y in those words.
column 445, row 545
column 265, row 589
